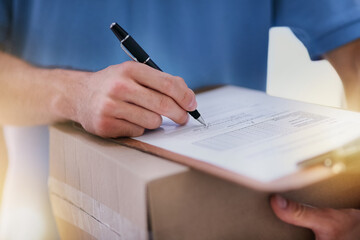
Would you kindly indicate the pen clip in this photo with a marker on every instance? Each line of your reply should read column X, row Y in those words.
column 128, row 53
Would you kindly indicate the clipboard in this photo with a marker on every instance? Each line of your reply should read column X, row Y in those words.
column 319, row 166
column 310, row 171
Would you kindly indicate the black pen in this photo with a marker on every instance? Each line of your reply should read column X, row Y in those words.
column 138, row 54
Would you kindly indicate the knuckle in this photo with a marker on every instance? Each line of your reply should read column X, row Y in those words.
column 107, row 107
column 155, row 122
column 102, row 127
column 299, row 211
column 168, row 84
column 188, row 97
column 126, row 68
column 138, row 131
column 180, row 81
column 119, row 88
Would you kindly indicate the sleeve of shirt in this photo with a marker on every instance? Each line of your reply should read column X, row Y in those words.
column 5, row 18
column 322, row 25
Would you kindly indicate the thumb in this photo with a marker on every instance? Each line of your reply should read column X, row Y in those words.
column 299, row 214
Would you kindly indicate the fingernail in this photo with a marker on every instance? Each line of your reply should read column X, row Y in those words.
column 281, row 202
column 193, row 104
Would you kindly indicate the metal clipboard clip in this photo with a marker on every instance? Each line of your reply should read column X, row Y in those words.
column 338, row 160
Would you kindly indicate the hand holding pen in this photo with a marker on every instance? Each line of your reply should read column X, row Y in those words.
column 133, row 49
column 127, row 98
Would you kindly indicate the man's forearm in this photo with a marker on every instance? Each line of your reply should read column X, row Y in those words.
column 346, row 61
column 33, row 96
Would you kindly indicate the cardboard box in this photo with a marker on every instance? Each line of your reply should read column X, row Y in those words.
column 101, row 190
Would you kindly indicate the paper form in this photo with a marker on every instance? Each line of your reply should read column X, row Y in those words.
column 256, row 135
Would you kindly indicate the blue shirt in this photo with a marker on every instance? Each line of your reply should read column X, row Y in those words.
column 205, row 42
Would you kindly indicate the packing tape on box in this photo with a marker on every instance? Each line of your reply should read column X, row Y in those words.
column 89, row 215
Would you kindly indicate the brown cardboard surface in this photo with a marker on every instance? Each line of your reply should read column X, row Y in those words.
column 105, row 180
column 72, row 232
column 109, row 191
column 198, row 206
column 195, row 205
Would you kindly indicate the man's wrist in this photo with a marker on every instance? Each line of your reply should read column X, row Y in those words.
column 70, row 87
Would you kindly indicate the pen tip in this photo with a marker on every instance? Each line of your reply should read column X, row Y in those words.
column 202, row 121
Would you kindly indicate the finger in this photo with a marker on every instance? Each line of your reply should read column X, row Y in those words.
column 299, row 214
column 110, row 128
column 139, row 116
column 135, row 114
column 172, row 86
column 124, row 128
column 155, row 102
